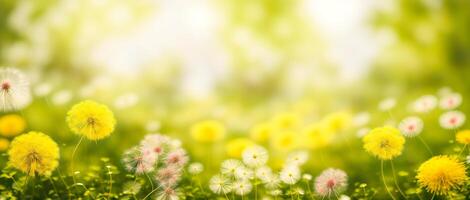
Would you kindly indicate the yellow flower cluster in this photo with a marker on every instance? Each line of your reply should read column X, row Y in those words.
column 208, row 131
column 463, row 137
column 90, row 119
column 34, row 153
column 384, row 142
column 11, row 125
column 4, row 143
column 440, row 174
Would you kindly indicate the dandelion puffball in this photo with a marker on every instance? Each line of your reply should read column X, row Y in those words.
column 450, row 101
column 452, row 119
column 424, row 104
column 255, row 156
column 440, row 174
column 230, row 166
column 290, row 174
column 219, row 184
column 331, row 181
column 195, row 168
column 384, row 142
column 34, row 153
column 14, row 89
column 411, row 126
column 242, row 187
column 297, row 158
column 90, row 119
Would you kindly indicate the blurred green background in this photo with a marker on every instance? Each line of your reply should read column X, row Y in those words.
column 163, row 66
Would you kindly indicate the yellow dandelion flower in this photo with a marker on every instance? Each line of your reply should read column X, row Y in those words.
column 384, row 142
column 338, row 121
column 286, row 120
column 236, row 146
column 34, row 153
column 261, row 132
column 4, row 143
column 11, row 125
column 90, row 119
column 440, row 174
column 463, row 137
column 316, row 136
column 208, row 131
column 285, row 140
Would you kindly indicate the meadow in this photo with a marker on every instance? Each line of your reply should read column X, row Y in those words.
column 234, row 99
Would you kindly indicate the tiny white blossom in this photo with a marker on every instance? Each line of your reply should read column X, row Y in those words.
column 195, row 168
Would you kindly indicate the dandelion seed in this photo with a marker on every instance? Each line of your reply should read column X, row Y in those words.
column 331, row 181
column 242, row 187
column 424, row 104
column 220, row 184
column 290, row 174
column 441, row 174
column 90, row 119
column 384, row 142
column 452, row 119
column 450, row 101
column 411, row 126
column 255, row 156
column 14, row 89
column 230, row 166
column 195, row 168
column 33, row 153
column 297, row 158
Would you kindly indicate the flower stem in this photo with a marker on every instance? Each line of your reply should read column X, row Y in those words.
column 73, row 156
column 383, row 179
column 396, row 181
column 425, row 145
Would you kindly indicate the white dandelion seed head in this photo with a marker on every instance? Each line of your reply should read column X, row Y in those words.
column 307, row 177
column 62, row 97
column 220, row 184
column 452, row 119
column 168, row 194
column 15, row 93
column 331, row 181
column 424, row 104
column 272, row 181
column 126, row 101
column 290, row 174
column 362, row 132
column 155, row 143
column 242, row 187
column 177, row 158
column 297, row 158
column 195, row 168
column 152, row 126
column 263, row 173
column 450, row 101
column 135, row 162
column 361, row 119
column 411, row 126
column 387, row 104
column 43, row 89
column 244, row 173
column 255, row 156
column 168, row 176
column 230, row 166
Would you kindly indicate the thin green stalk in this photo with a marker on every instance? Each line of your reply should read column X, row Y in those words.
column 396, row 181
column 383, row 179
